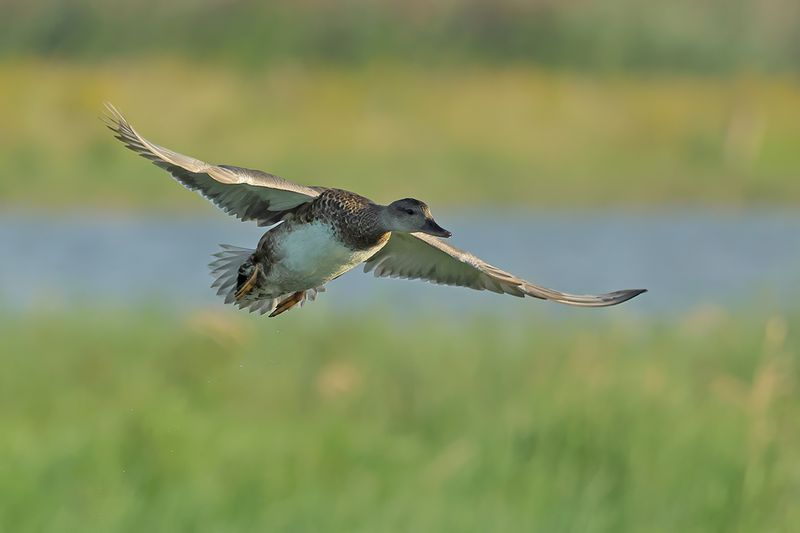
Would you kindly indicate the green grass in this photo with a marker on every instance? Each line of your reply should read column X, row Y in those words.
column 146, row 422
column 462, row 136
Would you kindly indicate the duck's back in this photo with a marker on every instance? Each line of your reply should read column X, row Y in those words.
column 353, row 218
column 323, row 240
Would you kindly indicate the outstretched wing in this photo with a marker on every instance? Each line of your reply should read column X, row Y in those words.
column 244, row 193
column 420, row 256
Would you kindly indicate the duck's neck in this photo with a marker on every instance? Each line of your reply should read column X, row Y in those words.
column 383, row 219
column 372, row 227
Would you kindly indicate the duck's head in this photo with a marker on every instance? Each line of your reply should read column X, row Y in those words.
column 410, row 215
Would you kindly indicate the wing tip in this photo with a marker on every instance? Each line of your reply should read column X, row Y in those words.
column 624, row 295
column 111, row 114
column 601, row 300
column 633, row 293
column 113, row 119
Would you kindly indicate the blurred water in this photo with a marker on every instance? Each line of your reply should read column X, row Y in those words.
column 687, row 259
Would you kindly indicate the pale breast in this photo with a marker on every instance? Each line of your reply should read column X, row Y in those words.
column 311, row 254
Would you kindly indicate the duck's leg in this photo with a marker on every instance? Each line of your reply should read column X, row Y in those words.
column 249, row 284
column 288, row 303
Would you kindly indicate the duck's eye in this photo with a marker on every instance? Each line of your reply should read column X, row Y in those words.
column 409, row 211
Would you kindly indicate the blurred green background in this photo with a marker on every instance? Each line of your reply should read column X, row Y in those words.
column 580, row 103
column 139, row 418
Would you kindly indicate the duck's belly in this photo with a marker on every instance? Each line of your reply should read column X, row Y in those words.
column 310, row 255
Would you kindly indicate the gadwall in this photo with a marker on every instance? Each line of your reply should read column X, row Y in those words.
column 325, row 232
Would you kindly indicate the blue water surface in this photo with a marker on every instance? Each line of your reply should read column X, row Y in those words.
column 686, row 259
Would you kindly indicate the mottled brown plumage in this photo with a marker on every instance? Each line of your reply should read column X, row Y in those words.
column 354, row 218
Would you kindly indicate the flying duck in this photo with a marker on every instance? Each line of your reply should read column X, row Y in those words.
column 319, row 233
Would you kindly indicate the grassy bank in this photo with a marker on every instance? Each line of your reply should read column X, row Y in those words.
column 455, row 137
column 137, row 422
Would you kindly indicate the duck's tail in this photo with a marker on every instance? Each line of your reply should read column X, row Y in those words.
column 236, row 276
column 226, row 268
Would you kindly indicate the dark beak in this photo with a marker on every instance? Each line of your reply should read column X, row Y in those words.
column 432, row 228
